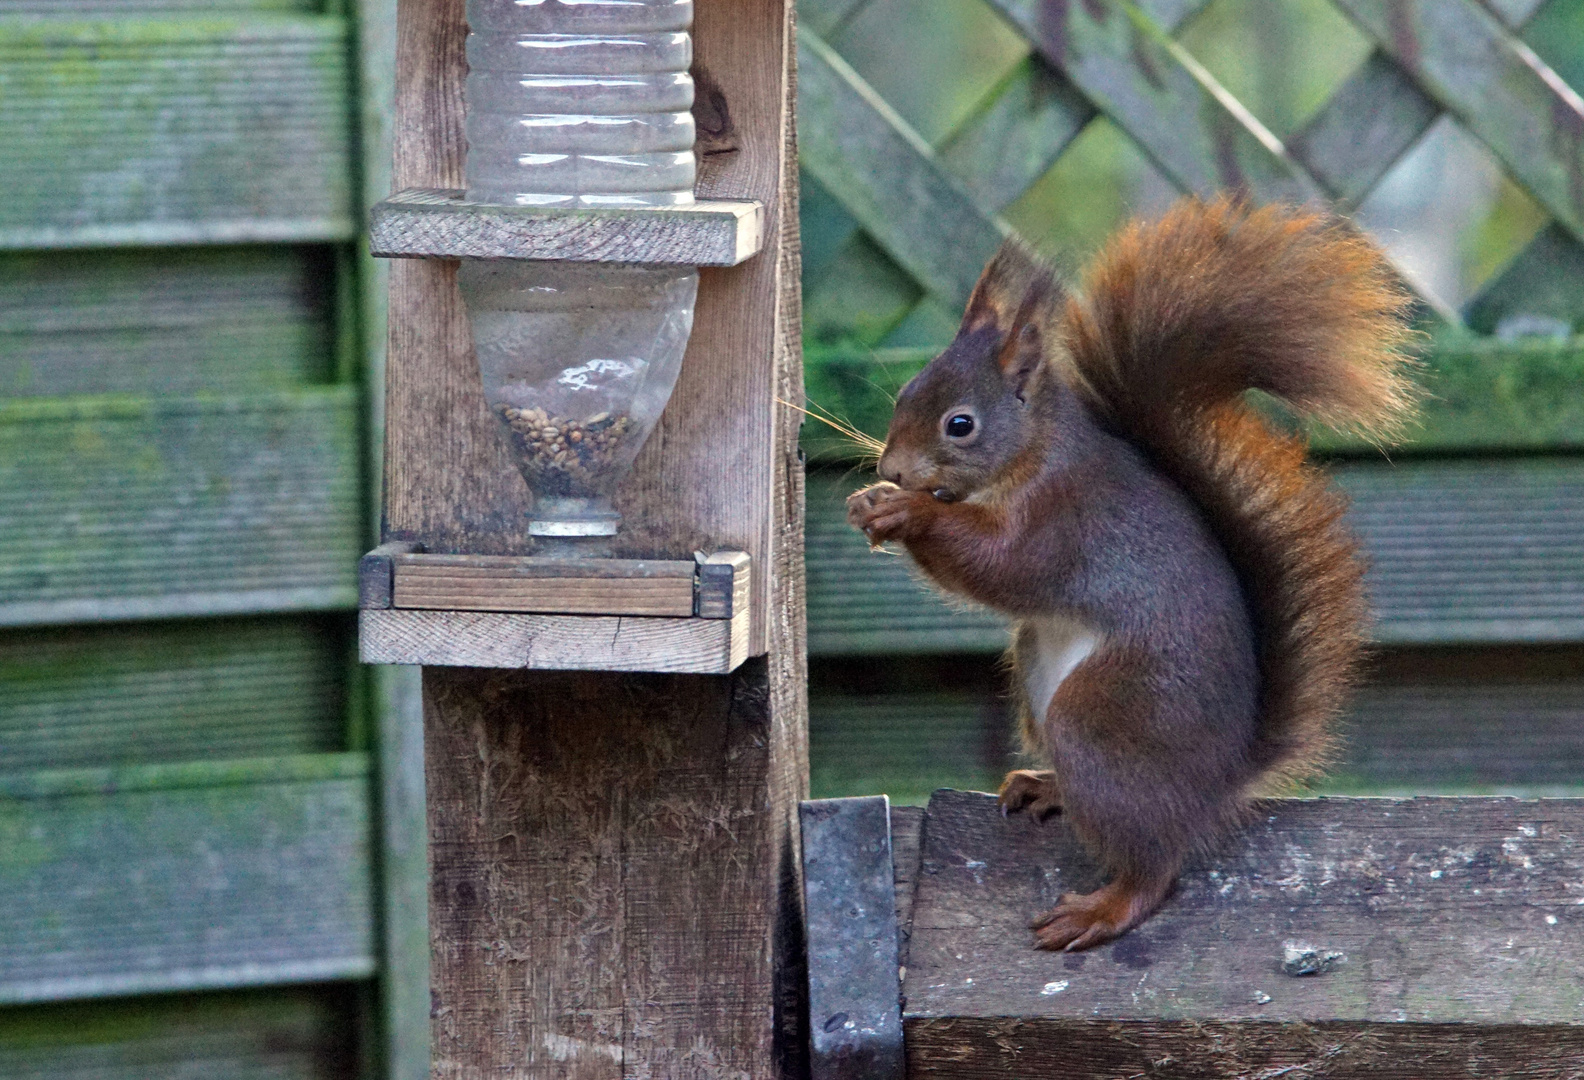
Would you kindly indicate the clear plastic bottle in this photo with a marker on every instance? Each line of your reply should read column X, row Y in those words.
column 578, row 103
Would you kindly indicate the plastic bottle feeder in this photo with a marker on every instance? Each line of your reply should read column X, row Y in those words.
column 578, row 105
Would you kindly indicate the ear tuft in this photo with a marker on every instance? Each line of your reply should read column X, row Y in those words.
column 1016, row 287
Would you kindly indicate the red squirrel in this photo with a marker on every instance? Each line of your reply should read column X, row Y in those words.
column 1188, row 605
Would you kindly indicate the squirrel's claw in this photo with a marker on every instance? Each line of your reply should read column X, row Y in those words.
column 1083, row 920
column 1026, row 789
column 879, row 511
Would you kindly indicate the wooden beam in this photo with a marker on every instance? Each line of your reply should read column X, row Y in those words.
column 429, row 223
column 614, row 887
column 551, row 586
column 1347, row 937
column 552, row 642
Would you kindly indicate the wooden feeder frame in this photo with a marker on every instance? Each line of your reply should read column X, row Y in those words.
column 465, row 610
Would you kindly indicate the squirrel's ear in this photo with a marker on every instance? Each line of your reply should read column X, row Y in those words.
column 1020, row 357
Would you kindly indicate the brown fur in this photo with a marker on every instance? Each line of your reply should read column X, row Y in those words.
column 1190, row 605
column 1177, row 320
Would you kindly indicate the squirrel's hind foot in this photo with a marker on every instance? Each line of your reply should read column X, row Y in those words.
column 1025, row 789
column 1083, row 920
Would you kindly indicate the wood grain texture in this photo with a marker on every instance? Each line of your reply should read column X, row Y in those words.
column 228, row 320
column 429, row 223
column 725, row 585
column 551, row 642
column 227, row 128
column 161, row 878
column 177, row 691
column 117, row 508
column 608, row 898
column 659, row 587
column 1457, row 921
column 614, row 884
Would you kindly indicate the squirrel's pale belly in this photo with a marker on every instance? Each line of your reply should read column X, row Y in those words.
column 1060, row 644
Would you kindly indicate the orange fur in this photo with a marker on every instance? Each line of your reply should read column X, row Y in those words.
column 1177, row 320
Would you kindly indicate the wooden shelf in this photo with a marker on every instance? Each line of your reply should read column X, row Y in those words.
column 439, row 223
column 556, row 614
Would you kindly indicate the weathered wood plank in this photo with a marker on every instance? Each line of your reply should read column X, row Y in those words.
column 180, row 691
column 138, row 508
column 687, row 961
column 887, row 177
column 661, row 587
column 1128, row 66
column 433, row 223
column 725, row 585
column 167, row 322
column 224, row 129
column 1496, row 86
column 158, row 878
column 285, row 1034
column 552, row 642
column 1451, row 927
column 1460, row 551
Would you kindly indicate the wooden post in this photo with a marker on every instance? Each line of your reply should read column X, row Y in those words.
column 614, row 882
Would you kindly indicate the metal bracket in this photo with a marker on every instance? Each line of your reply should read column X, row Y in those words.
column 849, row 898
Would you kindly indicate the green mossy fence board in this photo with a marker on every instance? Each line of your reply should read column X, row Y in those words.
column 136, row 881
column 164, row 322
column 905, row 745
column 305, row 1033
column 1461, row 550
column 137, row 508
column 180, row 691
column 1485, row 394
column 165, row 131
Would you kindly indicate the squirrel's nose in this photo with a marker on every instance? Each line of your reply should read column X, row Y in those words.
column 888, row 469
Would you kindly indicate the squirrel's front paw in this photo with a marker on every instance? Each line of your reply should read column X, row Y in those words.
column 880, row 511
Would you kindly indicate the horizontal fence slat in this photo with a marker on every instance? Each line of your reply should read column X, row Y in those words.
column 1491, row 81
column 887, row 177
column 1460, row 551
column 298, row 1033
column 98, row 695
column 163, row 322
column 114, row 509
column 149, row 889
column 220, row 129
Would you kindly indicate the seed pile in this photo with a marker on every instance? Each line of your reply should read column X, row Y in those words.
column 561, row 456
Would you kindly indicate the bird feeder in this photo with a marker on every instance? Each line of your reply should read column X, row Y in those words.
column 579, row 239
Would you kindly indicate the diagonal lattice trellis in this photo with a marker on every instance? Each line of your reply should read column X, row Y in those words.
column 934, row 211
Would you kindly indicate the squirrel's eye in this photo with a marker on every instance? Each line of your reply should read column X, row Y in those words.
column 959, row 426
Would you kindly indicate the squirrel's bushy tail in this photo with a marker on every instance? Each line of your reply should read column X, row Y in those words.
column 1176, row 320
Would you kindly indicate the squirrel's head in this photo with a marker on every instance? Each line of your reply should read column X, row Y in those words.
column 975, row 410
